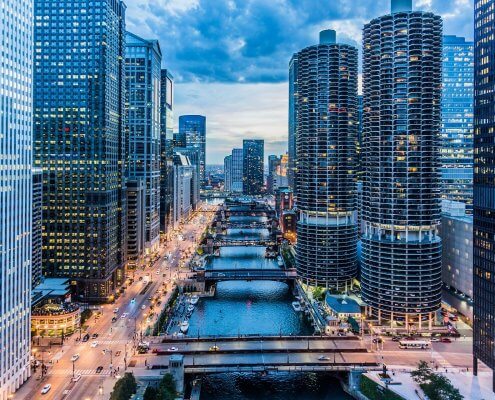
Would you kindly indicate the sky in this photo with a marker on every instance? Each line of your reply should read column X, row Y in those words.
column 230, row 58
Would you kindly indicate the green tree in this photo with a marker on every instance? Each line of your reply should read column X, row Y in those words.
column 318, row 293
column 124, row 388
column 166, row 389
column 439, row 387
column 150, row 393
column 422, row 373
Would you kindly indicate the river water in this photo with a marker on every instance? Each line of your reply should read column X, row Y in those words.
column 257, row 307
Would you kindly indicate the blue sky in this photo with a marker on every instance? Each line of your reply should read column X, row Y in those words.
column 230, row 57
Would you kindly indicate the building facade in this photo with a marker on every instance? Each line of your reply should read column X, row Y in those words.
column 143, row 131
column 193, row 129
column 193, row 156
column 484, row 185
column 401, row 249
column 293, row 95
column 136, row 221
column 16, row 182
column 227, row 171
column 79, row 141
column 166, row 150
column 273, row 164
column 183, row 178
column 37, row 269
column 237, row 170
column 253, row 166
column 457, row 121
column 326, row 188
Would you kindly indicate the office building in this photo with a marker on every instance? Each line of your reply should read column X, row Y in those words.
column 192, row 128
column 326, row 189
column 193, row 156
column 273, row 163
column 237, row 170
column 183, row 177
column 401, row 249
column 79, row 141
column 484, row 185
column 166, row 150
column 293, row 95
column 16, row 193
column 457, row 121
column 37, row 268
column 253, row 166
column 143, row 81
column 136, row 221
column 227, row 171
column 456, row 231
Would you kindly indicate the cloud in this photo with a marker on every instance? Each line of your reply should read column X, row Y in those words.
column 252, row 40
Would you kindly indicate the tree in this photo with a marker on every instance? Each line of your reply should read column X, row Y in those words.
column 439, row 388
column 318, row 293
column 150, row 393
column 166, row 389
column 422, row 373
column 124, row 388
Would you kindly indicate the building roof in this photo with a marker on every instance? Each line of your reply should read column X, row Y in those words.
column 342, row 304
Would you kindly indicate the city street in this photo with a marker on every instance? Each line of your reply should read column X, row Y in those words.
column 116, row 342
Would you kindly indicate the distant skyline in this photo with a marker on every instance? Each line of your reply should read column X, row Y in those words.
column 230, row 57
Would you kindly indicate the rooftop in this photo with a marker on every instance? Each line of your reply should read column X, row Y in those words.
column 342, row 304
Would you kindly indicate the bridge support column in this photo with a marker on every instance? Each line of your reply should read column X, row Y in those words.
column 430, row 320
column 420, row 324
column 176, row 368
column 379, row 316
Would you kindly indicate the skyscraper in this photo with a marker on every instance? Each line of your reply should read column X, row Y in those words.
column 401, row 248
column 193, row 128
column 273, row 163
column 253, row 166
column 79, row 86
column 37, row 269
column 166, row 149
column 457, row 121
column 193, row 157
column 16, row 136
column 293, row 95
column 143, row 81
column 326, row 189
column 237, row 170
column 227, row 170
column 484, row 185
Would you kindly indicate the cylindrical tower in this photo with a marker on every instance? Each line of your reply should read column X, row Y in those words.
column 326, row 132
column 401, row 252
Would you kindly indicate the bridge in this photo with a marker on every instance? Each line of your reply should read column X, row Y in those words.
column 247, row 225
column 244, row 274
column 221, row 241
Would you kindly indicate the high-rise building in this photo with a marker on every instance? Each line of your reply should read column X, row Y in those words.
column 273, row 164
column 293, row 94
column 166, row 150
column 227, row 170
column 193, row 157
column 484, row 185
column 193, row 129
column 136, row 221
column 79, row 141
column 143, row 81
column 16, row 158
column 37, row 269
column 359, row 138
column 237, row 170
column 326, row 189
column 457, row 121
column 253, row 166
column 401, row 249
column 183, row 177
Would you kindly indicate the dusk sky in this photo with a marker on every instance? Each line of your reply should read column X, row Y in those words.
column 230, row 57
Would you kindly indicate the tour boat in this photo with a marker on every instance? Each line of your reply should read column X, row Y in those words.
column 194, row 299
column 296, row 306
column 184, row 326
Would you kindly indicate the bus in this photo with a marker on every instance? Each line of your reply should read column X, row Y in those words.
column 414, row 344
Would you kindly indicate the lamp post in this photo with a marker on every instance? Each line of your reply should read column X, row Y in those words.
column 73, row 368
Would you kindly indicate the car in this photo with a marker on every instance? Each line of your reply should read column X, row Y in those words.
column 221, row 274
column 446, row 340
column 140, row 278
column 118, row 353
column 172, row 349
column 76, row 378
column 116, row 310
column 85, row 337
column 157, row 272
column 214, row 348
column 95, row 335
column 145, row 283
column 378, row 340
column 46, row 388
column 436, row 339
column 143, row 307
column 99, row 369
column 133, row 300
column 94, row 344
column 396, row 339
column 150, row 298
column 123, row 316
column 75, row 357
column 323, row 358
column 114, row 319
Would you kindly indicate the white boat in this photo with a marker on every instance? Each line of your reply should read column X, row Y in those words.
column 280, row 262
column 184, row 326
column 194, row 299
column 190, row 308
column 296, row 306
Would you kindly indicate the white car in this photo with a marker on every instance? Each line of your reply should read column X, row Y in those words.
column 94, row 344
column 143, row 307
column 76, row 378
column 46, row 389
column 172, row 349
column 75, row 357
column 116, row 310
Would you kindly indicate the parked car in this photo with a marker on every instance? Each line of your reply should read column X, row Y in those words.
column 75, row 357
column 76, row 378
column 46, row 388
column 323, row 358
column 446, row 340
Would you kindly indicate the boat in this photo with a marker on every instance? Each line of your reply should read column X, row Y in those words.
column 194, row 299
column 184, row 326
column 296, row 306
column 280, row 261
column 190, row 308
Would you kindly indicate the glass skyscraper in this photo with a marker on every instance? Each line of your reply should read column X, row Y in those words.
column 292, row 122
column 193, row 129
column 79, row 141
column 401, row 249
column 484, row 184
column 143, row 81
column 16, row 137
column 326, row 132
column 457, row 121
column 253, row 166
